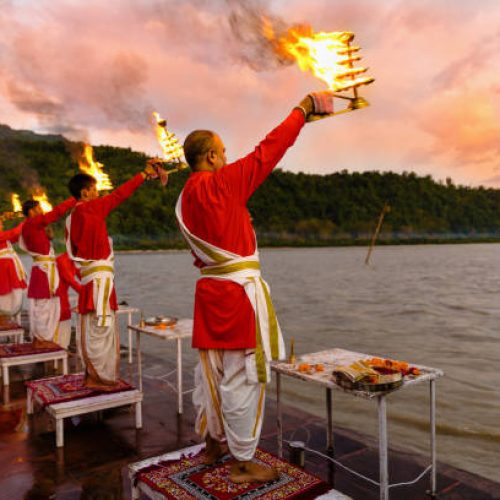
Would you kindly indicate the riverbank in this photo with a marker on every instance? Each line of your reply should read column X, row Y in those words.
column 174, row 243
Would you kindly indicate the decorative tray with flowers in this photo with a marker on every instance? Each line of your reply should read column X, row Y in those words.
column 373, row 375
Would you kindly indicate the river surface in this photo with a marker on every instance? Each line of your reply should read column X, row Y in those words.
column 435, row 305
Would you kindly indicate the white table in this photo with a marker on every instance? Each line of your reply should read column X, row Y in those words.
column 16, row 333
column 56, row 356
column 129, row 311
column 60, row 411
column 337, row 357
column 183, row 329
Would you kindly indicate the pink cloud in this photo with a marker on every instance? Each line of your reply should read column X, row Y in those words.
column 100, row 68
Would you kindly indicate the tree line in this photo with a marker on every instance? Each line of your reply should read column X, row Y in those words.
column 288, row 209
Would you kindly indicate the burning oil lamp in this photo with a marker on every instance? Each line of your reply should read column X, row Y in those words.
column 88, row 165
column 328, row 56
column 172, row 150
column 41, row 196
column 17, row 209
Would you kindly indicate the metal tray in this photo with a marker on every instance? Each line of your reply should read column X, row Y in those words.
column 161, row 320
column 385, row 386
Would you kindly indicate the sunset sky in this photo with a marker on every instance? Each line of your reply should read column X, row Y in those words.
column 95, row 69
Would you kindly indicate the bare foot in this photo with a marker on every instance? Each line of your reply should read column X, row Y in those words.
column 250, row 472
column 214, row 450
column 43, row 344
column 95, row 385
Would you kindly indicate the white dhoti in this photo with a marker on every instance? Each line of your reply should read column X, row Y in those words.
column 228, row 405
column 11, row 303
column 44, row 317
column 100, row 348
column 63, row 333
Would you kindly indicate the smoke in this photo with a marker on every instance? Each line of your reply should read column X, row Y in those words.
column 246, row 21
column 75, row 69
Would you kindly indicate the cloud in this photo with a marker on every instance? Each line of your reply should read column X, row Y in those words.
column 100, row 68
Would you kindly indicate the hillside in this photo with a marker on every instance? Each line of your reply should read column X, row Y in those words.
column 292, row 209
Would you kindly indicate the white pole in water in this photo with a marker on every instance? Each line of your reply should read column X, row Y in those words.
column 385, row 209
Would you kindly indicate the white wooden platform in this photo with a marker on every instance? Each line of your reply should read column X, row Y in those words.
column 60, row 411
column 16, row 333
column 141, row 488
column 56, row 356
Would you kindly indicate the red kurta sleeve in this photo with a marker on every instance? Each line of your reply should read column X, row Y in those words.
column 244, row 176
column 107, row 203
column 11, row 235
column 55, row 214
column 67, row 272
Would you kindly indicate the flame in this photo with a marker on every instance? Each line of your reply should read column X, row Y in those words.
column 88, row 165
column 16, row 203
column 41, row 197
column 329, row 56
column 172, row 150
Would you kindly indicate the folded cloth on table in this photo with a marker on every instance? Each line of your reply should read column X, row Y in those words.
column 356, row 371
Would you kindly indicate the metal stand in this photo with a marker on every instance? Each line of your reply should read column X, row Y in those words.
column 279, row 416
column 329, row 436
column 382, row 446
column 432, row 387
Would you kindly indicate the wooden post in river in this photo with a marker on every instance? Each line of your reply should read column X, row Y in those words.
column 385, row 209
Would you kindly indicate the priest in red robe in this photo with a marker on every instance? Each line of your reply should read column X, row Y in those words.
column 68, row 277
column 12, row 275
column 44, row 280
column 235, row 326
column 91, row 249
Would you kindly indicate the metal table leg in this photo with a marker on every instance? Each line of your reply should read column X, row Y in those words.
column 279, row 417
column 129, row 331
column 433, row 437
column 382, row 445
column 139, row 358
column 179, row 375
column 329, row 435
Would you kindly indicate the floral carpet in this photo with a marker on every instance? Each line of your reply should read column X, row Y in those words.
column 190, row 478
column 68, row 388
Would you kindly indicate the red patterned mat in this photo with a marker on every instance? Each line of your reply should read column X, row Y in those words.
column 190, row 478
column 10, row 326
column 68, row 388
column 13, row 350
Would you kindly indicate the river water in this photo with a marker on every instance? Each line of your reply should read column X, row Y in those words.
column 436, row 305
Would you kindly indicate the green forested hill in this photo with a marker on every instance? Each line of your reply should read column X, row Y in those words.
column 340, row 208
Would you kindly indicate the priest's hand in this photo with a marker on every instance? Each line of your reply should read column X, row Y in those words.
column 322, row 102
column 155, row 170
column 151, row 172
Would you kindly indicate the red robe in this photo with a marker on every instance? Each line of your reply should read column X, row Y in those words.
column 36, row 240
column 67, row 273
column 214, row 209
column 8, row 275
column 89, row 235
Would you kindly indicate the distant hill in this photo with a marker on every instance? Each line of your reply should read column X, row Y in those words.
column 291, row 209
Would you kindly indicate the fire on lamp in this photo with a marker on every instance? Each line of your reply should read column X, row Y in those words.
column 172, row 150
column 17, row 209
column 88, row 165
column 40, row 196
column 16, row 204
column 329, row 56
